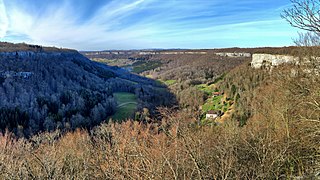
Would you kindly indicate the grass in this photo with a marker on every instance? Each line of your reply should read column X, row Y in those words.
column 167, row 82
column 102, row 60
column 123, row 97
column 213, row 104
column 170, row 82
column 220, row 103
column 141, row 66
column 127, row 110
column 124, row 112
column 217, row 103
column 114, row 62
column 209, row 89
column 137, row 66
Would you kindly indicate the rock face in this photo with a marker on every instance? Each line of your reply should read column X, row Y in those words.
column 138, row 52
column 25, row 56
column 227, row 54
column 269, row 60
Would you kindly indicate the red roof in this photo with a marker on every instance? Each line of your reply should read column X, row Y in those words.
column 213, row 112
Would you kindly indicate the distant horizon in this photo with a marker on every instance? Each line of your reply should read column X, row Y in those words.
column 140, row 24
column 149, row 49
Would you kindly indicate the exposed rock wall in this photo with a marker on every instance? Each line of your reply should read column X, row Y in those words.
column 27, row 55
column 227, row 54
column 259, row 60
column 143, row 52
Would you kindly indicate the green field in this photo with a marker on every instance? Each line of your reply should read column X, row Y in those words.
column 170, row 82
column 213, row 103
column 208, row 89
column 127, row 105
column 216, row 103
column 141, row 66
column 167, row 82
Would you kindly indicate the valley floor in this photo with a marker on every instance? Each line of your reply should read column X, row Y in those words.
column 127, row 105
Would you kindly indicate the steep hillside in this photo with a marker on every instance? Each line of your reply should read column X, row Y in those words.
column 279, row 141
column 190, row 75
column 49, row 88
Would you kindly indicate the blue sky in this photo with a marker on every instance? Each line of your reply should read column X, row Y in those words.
column 139, row 24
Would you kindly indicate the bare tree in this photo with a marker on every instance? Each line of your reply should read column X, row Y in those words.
column 304, row 14
column 307, row 39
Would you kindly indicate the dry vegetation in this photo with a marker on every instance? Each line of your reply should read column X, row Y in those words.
column 281, row 140
column 278, row 138
column 290, row 50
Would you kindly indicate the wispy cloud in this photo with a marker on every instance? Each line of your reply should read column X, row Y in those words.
column 127, row 24
column 3, row 19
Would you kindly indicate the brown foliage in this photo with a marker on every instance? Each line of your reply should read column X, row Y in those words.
column 280, row 140
column 173, row 150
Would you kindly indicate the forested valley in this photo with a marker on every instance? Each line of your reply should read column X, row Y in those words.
column 70, row 98
column 44, row 89
column 57, row 117
column 151, row 112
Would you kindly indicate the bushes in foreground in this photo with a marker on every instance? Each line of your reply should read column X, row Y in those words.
column 131, row 150
column 279, row 141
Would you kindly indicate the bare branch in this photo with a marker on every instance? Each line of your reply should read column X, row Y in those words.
column 304, row 14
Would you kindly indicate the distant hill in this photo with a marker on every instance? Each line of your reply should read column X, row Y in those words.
column 288, row 50
column 11, row 47
column 47, row 88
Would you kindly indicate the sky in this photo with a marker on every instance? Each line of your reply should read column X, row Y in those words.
column 145, row 24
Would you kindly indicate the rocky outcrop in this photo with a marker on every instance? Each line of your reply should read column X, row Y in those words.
column 31, row 55
column 234, row 54
column 138, row 52
column 269, row 60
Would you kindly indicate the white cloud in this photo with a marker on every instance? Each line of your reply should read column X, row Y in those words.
column 59, row 25
column 3, row 20
column 123, row 24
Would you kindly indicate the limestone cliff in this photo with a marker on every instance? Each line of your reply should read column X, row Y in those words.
column 227, row 54
column 259, row 60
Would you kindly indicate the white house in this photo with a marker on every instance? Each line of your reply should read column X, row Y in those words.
column 213, row 114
